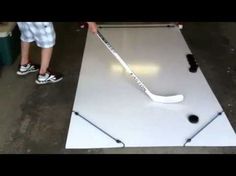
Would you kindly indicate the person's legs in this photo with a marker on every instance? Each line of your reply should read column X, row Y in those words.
column 25, row 47
column 25, row 66
column 46, row 54
column 46, row 41
column 45, row 76
column 44, row 35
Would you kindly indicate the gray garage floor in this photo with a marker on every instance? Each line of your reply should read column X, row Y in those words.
column 35, row 119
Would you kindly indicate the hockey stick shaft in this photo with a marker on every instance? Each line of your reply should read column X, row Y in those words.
column 117, row 56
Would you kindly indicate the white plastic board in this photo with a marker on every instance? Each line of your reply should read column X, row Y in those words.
column 110, row 99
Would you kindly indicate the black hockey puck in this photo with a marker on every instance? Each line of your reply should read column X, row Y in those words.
column 192, row 62
column 193, row 118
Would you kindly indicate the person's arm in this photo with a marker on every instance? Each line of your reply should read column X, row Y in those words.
column 92, row 26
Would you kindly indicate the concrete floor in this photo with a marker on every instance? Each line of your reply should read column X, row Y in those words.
column 35, row 119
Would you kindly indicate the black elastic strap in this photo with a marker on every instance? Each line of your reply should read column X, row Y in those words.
column 117, row 140
column 190, row 139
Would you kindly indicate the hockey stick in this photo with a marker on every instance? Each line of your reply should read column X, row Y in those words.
column 156, row 98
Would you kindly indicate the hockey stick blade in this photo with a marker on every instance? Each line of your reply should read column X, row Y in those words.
column 166, row 99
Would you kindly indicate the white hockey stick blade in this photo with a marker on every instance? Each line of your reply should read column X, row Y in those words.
column 166, row 99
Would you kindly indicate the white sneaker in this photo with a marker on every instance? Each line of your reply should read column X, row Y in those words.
column 48, row 78
column 28, row 68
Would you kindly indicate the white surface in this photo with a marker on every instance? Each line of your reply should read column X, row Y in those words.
column 109, row 98
column 156, row 98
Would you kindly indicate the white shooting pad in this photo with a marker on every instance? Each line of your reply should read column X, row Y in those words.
column 108, row 97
